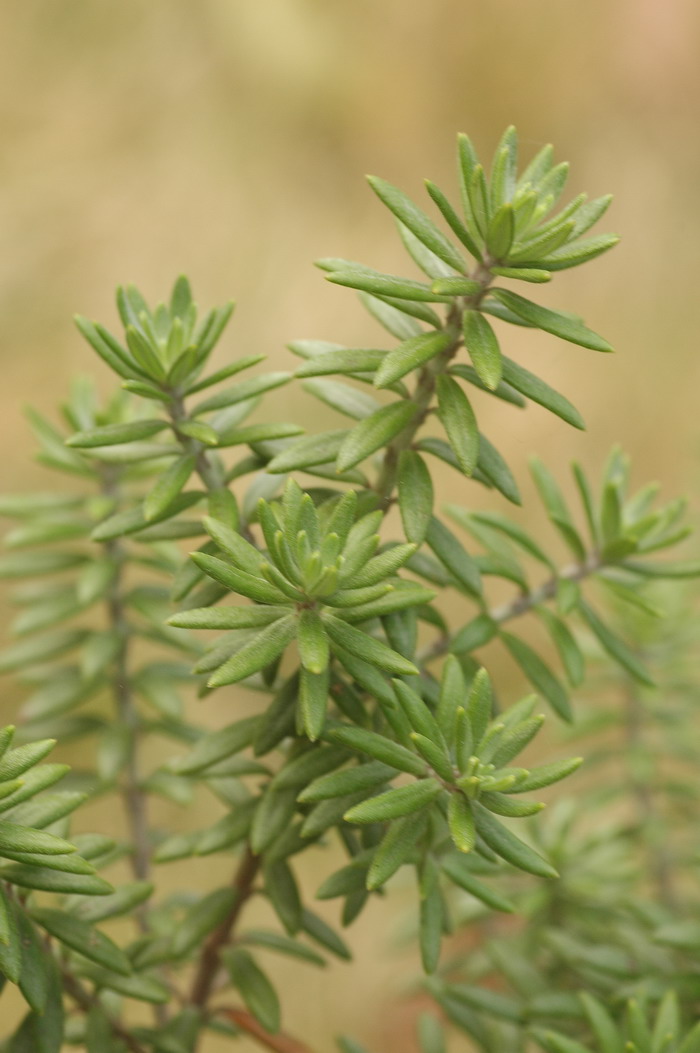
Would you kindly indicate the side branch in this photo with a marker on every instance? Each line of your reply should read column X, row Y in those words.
column 547, row 590
column 210, row 958
column 279, row 1043
column 86, row 1001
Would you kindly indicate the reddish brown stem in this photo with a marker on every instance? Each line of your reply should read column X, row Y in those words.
column 280, row 1043
column 210, row 958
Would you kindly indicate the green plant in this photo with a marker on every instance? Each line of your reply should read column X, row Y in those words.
column 376, row 728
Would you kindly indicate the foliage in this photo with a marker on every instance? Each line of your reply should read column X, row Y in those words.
column 376, row 728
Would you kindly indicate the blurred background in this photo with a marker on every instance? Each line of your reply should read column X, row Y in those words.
column 229, row 140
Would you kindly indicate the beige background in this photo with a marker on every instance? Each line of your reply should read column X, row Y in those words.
column 229, row 139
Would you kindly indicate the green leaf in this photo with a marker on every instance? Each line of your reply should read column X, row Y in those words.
column 380, row 748
column 374, row 432
column 198, row 430
column 37, row 978
column 256, row 990
column 614, row 646
column 456, row 287
column 367, row 647
column 351, row 780
column 578, row 252
column 81, row 937
column 132, row 520
column 114, row 434
column 410, row 355
column 16, row 838
column 547, row 774
column 123, row 901
column 11, row 942
column 313, row 700
column 523, row 274
column 539, row 675
column 168, row 487
column 242, row 392
column 565, row 643
column 431, row 923
column 272, row 941
column 416, row 495
column 454, row 556
column 46, row 880
column 460, row 819
column 417, row 222
column 309, row 451
column 225, row 372
column 255, row 588
column 453, row 220
column 385, row 285
column 217, row 746
column 312, row 641
column 272, row 817
column 459, row 422
column 457, row 870
column 562, row 325
column 350, row 401
column 143, row 987
column 510, row 847
column 109, row 350
column 282, row 891
column 501, row 228
column 482, row 344
column 16, row 762
column 201, row 919
column 405, row 800
column 396, row 848
column 374, row 571
column 492, row 465
column 553, row 500
column 322, row 933
column 348, row 361
column 227, row 617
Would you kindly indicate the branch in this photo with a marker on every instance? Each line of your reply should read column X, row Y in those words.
column 524, row 602
column 133, row 795
column 547, row 590
column 85, row 1000
column 280, row 1043
column 210, row 958
column 425, row 388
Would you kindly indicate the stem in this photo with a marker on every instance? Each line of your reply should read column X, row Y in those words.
column 523, row 603
column 280, row 1042
column 133, row 796
column 659, row 862
column 547, row 590
column 210, row 958
column 87, row 1001
column 135, row 802
column 425, row 387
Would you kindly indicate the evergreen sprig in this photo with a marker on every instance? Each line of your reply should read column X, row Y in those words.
column 376, row 725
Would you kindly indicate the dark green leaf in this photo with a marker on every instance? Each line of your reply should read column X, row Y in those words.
column 410, row 355
column 539, row 675
column 459, row 422
column 482, row 344
column 374, row 432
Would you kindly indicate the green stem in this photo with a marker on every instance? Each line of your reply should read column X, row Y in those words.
column 425, row 388
column 133, row 796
